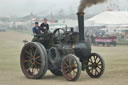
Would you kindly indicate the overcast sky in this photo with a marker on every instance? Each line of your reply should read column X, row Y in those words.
column 24, row 7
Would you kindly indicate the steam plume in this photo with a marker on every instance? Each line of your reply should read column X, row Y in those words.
column 87, row 3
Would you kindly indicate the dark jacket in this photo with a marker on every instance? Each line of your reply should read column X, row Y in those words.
column 43, row 26
column 36, row 30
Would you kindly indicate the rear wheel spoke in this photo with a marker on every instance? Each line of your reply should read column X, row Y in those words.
column 29, row 57
column 30, row 67
column 32, row 71
column 38, row 63
column 35, row 52
column 32, row 50
column 38, row 57
column 27, row 61
column 70, row 75
column 28, row 53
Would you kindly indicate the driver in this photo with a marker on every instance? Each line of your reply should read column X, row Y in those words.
column 44, row 26
column 36, row 29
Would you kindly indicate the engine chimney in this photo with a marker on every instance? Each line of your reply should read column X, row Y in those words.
column 81, row 25
column 82, row 48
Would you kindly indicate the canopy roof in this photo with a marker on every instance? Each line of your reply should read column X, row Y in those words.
column 111, row 17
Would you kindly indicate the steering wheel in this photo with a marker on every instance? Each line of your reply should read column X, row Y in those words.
column 59, row 33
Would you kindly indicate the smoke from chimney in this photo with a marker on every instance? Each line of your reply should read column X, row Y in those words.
column 87, row 3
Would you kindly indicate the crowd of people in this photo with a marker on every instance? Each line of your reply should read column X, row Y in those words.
column 98, row 37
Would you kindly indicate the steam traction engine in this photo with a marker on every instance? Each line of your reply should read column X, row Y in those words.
column 64, row 53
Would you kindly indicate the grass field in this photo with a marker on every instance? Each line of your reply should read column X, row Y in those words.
column 116, row 65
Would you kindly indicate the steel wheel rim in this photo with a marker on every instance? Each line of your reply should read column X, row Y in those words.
column 70, row 68
column 31, row 61
column 95, row 65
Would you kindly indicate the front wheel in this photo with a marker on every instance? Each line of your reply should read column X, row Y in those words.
column 71, row 67
column 95, row 66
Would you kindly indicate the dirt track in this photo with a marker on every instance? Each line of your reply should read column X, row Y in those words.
column 116, row 62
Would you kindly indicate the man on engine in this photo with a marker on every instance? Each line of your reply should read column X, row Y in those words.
column 44, row 26
column 36, row 29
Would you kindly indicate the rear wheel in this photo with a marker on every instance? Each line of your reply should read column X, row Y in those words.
column 33, row 61
column 71, row 67
column 95, row 66
column 46, row 57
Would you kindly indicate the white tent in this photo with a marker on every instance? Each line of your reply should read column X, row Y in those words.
column 111, row 18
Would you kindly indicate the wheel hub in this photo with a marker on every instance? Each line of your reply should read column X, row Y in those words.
column 94, row 65
column 33, row 59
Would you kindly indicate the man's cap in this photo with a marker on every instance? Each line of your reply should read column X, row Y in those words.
column 45, row 19
column 36, row 23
